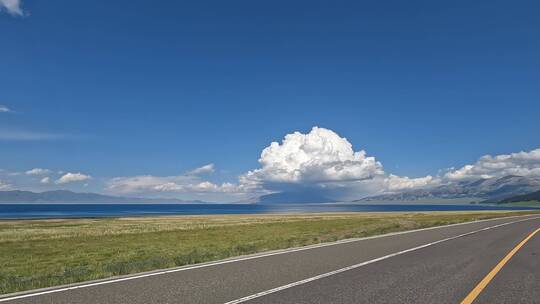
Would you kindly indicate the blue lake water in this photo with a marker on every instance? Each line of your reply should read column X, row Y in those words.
column 19, row 211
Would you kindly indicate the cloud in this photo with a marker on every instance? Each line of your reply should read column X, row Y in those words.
column 206, row 169
column 4, row 109
column 190, row 182
column 520, row 163
column 197, row 187
column 22, row 135
column 325, row 163
column 177, row 184
column 146, row 183
column 394, row 182
column 38, row 171
column 5, row 186
column 72, row 177
column 12, row 6
column 45, row 180
column 320, row 156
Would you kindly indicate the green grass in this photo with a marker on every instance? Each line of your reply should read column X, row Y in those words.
column 42, row 253
column 523, row 204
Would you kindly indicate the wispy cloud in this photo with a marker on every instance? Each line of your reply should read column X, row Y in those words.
column 206, row 169
column 13, row 7
column 38, row 171
column 4, row 109
column 23, row 135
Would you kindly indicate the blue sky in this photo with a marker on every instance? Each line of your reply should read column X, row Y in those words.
column 114, row 89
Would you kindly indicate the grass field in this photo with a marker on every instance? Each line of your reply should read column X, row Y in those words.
column 524, row 204
column 42, row 253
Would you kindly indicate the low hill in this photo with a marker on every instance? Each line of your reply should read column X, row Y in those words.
column 530, row 197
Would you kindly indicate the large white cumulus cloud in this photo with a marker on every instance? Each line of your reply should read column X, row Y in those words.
column 324, row 162
column 316, row 157
column 520, row 163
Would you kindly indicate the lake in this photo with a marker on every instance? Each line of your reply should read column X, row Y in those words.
column 22, row 211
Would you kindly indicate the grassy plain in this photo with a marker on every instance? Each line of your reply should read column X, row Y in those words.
column 42, row 253
column 523, row 204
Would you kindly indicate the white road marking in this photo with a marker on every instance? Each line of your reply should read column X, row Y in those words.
column 245, row 258
column 331, row 273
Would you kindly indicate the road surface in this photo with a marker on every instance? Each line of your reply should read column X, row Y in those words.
column 441, row 265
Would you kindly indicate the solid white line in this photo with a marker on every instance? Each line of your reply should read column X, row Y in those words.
column 331, row 273
column 250, row 257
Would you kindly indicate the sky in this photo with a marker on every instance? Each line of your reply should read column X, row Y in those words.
column 186, row 99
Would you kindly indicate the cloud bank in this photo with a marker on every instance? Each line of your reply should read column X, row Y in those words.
column 520, row 163
column 11, row 6
column 180, row 184
column 190, row 182
column 322, row 163
column 318, row 163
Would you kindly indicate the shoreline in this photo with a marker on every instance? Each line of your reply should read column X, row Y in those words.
column 19, row 211
column 270, row 215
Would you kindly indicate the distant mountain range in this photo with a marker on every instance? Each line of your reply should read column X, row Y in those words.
column 64, row 197
column 492, row 189
column 512, row 188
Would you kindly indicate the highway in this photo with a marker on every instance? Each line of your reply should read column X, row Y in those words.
column 493, row 261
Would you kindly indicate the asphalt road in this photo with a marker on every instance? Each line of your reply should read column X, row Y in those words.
column 430, row 266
